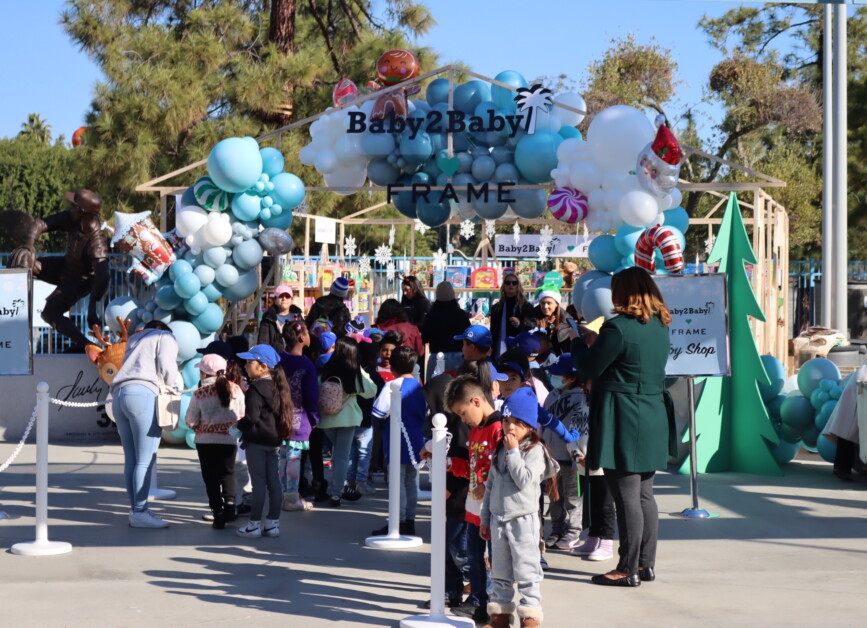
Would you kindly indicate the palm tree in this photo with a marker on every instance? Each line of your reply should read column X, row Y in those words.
column 532, row 99
column 36, row 127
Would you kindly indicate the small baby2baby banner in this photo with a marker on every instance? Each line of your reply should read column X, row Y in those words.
column 699, row 324
column 16, row 351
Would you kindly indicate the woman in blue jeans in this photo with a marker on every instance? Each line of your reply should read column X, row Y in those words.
column 150, row 360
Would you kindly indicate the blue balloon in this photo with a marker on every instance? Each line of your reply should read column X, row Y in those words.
column 190, row 372
column 179, row 268
column 246, row 285
column 187, row 285
column 210, row 320
column 819, row 398
column 380, row 172
column 417, row 150
column 581, row 284
column 288, row 190
column 437, row 92
column 470, row 94
column 797, row 413
column 122, row 307
column 272, row 161
column 626, row 238
column 189, row 197
column 536, row 155
column 167, row 298
column 483, row 167
column 433, row 214
column 826, row 448
column 280, row 221
column 227, row 275
column 529, row 204
column 403, row 201
column 235, row 164
column 677, row 218
column 214, row 256
column 187, row 337
column 812, row 373
column 212, row 291
column 508, row 172
column 205, row 274
column 246, row 206
column 377, row 144
column 247, row 254
column 505, row 98
column 785, row 452
column 502, row 155
column 596, row 301
column 569, row 132
column 603, row 253
column 490, row 209
column 776, row 373
column 466, row 162
column 190, row 439
column 196, row 304
column 810, row 437
column 773, row 407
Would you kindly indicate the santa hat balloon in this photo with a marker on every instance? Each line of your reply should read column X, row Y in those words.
column 659, row 163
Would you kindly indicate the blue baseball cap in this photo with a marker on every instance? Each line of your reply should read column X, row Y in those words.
column 527, row 342
column 563, row 366
column 496, row 376
column 522, row 404
column 262, row 353
column 477, row 334
column 327, row 340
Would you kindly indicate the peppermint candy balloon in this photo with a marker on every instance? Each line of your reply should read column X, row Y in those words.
column 209, row 196
column 658, row 237
column 344, row 92
column 568, row 205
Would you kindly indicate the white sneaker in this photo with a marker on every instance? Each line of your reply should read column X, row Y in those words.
column 146, row 519
column 252, row 530
column 590, row 545
column 272, row 528
column 568, row 542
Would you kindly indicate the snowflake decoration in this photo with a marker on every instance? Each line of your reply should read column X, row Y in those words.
column 516, row 233
column 420, row 226
column 364, row 265
column 708, row 244
column 489, row 229
column 391, row 234
column 544, row 240
column 382, row 254
column 440, row 260
column 301, row 209
column 349, row 246
column 390, row 270
column 468, row 229
column 543, row 252
column 546, row 233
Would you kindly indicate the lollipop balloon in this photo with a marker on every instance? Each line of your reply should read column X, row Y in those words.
column 344, row 92
column 568, row 205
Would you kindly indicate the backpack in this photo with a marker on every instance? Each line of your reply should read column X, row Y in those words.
column 332, row 399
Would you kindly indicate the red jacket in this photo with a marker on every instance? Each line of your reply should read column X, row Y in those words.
column 411, row 334
column 482, row 442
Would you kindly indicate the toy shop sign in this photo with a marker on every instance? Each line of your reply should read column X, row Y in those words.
column 528, row 245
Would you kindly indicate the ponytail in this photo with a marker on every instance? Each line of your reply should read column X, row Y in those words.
column 285, row 409
column 224, row 391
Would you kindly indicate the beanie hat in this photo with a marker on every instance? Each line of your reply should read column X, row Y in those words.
column 445, row 291
column 340, row 287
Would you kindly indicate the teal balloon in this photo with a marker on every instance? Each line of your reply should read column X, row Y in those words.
column 196, row 304
column 272, row 161
column 212, row 291
column 187, row 285
column 776, row 373
column 785, row 452
column 167, row 298
column 824, row 414
column 190, row 439
column 187, row 337
column 536, row 155
column 288, row 190
column 205, row 274
column 280, row 221
column 773, row 407
column 818, row 398
column 437, row 92
column 677, row 218
column 190, row 371
column 505, row 98
column 235, row 164
column 210, row 320
column 826, row 448
column 227, row 275
column 508, row 172
column 529, row 204
column 502, row 155
column 122, row 307
column 810, row 436
column 245, row 286
column 603, row 253
column 403, row 201
column 626, row 238
column 433, row 214
column 380, row 172
column 790, row 434
column 417, row 150
column 797, row 413
column 377, row 144
column 247, row 254
column 490, row 209
column 812, row 373
column 597, row 301
column 246, row 206
column 214, row 256
column 569, row 133
column 179, row 268
column 469, row 95
column 164, row 316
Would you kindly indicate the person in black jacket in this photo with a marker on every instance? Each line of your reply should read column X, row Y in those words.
column 554, row 320
column 445, row 321
column 282, row 312
column 511, row 315
column 332, row 308
column 414, row 301
column 266, row 424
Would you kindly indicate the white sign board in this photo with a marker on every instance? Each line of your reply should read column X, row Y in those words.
column 326, row 230
column 528, row 245
column 41, row 291
column 16, row 348
column 699, row 324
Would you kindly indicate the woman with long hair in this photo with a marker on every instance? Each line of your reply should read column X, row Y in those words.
column 344, row 369
column 511, row 315
column 446, row 320
column 392, row 316
column 631, row 427
column 414, row 301
column 551, row 317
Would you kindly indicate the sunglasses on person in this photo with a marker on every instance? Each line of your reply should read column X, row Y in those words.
column 510, row 283
column 285, row 296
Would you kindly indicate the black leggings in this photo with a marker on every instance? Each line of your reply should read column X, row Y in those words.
column 600, row 508
column 218, row 472
column 637, row 518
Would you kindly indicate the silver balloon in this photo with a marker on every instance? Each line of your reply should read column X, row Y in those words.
column 276, row 241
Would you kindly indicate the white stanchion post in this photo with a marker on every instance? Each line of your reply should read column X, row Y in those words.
column 437, row 616
column 394, row 540
column 156, row 492
column 41, row 546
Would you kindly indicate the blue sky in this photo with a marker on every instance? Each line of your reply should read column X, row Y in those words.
column 50, row 76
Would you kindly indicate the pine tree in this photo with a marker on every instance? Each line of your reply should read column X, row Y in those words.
column 734, row 432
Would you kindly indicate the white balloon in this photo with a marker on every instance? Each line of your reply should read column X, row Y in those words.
column 346, row 177
column 596, row 201
column 676, row 197
column 569, row 118
column 307, row 155
column 190, row 218
column 348, row 150
column 584, row 152
column 664, row 202
column 561, row 177
column 218, row 231
column 585, row 176
column 617, row 135
column 323, row 139
column 326, row 161
column 612, row 200
column 638, row 208
column 568, row 150
column 547, row 121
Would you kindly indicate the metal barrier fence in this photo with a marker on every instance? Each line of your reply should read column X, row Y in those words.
column 805, row 278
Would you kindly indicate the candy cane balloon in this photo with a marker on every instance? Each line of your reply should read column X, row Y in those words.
column 568, row 205
column 658, row 237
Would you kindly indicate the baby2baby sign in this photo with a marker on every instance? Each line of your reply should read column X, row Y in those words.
column 699, row 324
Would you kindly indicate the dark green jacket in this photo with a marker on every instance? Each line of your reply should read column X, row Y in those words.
column 631, row 416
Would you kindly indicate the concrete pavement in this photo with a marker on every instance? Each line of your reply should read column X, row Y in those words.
column 790, row 550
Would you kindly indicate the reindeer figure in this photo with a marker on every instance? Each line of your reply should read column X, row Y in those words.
column 108, row 360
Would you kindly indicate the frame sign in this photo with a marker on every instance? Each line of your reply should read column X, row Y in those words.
column 16, row 348
column 699, row 324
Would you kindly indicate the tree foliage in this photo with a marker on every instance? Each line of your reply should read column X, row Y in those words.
column 36, row 128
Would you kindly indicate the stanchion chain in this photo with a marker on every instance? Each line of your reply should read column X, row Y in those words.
column 20, row 446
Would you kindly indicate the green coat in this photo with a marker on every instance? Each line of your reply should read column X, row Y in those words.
column 632, row 425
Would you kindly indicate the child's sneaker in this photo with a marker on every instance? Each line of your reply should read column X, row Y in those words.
column 299, row 505
column 252, row 530
column 552, row 540
column 146, row 519
column 604, row 551
column 590, row 544
column 365, row 488
column 568, row 541
column 351, row 493
column 272, row 528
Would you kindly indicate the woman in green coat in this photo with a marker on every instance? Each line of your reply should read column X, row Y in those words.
column 631, row 425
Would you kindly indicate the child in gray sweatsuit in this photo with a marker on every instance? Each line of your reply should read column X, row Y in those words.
column 510, row 518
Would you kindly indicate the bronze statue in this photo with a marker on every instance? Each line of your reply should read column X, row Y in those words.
column 83, row 270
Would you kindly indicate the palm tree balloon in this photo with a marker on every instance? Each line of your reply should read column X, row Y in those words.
column 532, row 99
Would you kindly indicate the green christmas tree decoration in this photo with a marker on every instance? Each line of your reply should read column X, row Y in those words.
column 734, row 432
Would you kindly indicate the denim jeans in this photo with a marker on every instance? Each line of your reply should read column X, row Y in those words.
column 134, row 408
column 408, row 492
column 457, row 565
column 262, row 463
column 478, row 573
column 289, row 468
column 341, row 445
column 359, row 459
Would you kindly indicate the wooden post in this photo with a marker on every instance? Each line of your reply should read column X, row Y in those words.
column 164, row 213
column 306, row 238
column 340, row 242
